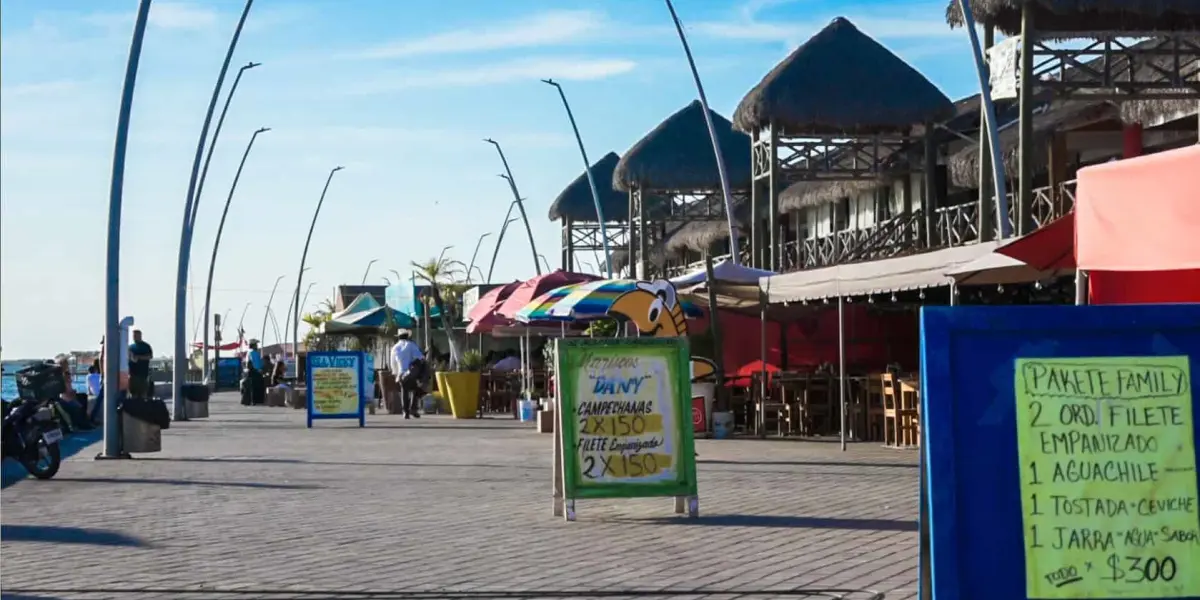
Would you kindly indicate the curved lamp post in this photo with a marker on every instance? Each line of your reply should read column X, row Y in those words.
column 287, row 318
column 500, row 238
column 443, row 253
column 185, row 237
column 307, row 290
column 267, row 312
column 476, row 254
column 304, row 259
column 546, row 262
column 587, row 168
column 112, row 266
column 368, row 271
column 242, row 320
column 512, row 185
column 212, row 263
column 216, row 134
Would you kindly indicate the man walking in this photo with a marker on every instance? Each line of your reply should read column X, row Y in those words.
column 404, row 354
column 140, row 354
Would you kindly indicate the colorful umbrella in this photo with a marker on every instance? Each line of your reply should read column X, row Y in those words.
column 489, row 302
column 585, row 301
column 539, row 308
column 528, row 291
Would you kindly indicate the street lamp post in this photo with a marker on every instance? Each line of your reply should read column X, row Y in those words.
column 185, row 237
column 287, row 317
column 112, row 309
column 545, row 262
column 476, row 254
column 267, row 312
column 304, row 259
column 212, row 145
column 242, row 320
column 712, row 135
column 512, row 185
column 307, row 290
column 368, row 271
column 443, row 254
column 587, row 168
column 500, row 238
column 212, row 263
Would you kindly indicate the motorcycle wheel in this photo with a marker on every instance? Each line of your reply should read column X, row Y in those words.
column 44, row 462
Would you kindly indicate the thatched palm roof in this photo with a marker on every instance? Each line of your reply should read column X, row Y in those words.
column 1085, row 16
column 841, row 82
column 678, row 155
column 701, row 235
column 804, row 194
column 576, row 202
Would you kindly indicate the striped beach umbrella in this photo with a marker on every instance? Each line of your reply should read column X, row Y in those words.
column 591, row 300
column 538, row 309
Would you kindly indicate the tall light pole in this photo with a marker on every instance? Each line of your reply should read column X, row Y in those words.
column 587, row 168
column 212, row 263
column 216, row 134
column 496, row 250
column 368, row 271
column 113, row 348
column 443, row 254
column 512, row 185
column 476, row 254
column 287, row 318
column 242, row 321
column 304, row 259
column 185, row 237
column 307, row 290
column 546, row 262
column 267, row 312
column 712, row 136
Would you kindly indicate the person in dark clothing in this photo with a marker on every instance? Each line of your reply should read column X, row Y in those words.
column 140, row 354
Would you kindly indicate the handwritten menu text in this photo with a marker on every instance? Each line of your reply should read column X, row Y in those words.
column 625, row 419
column 335, row 385
column 1108, row 477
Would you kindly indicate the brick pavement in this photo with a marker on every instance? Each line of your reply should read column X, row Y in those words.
column 250, row 501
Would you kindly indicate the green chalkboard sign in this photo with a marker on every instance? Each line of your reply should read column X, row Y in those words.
column 624, row 420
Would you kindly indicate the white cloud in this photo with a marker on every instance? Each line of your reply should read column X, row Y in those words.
column 179, row 15
column 545, row 29
column 565, row 69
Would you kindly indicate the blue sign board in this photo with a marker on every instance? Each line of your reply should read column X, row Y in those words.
column 228, row 372
column 336, row 386
column 1060, row 457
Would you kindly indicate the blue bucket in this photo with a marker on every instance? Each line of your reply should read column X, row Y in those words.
column 525, row 410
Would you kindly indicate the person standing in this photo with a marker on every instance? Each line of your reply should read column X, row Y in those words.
column 254, row 366
column 404, row 354
column 140, row 354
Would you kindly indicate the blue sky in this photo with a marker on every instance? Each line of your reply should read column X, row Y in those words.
column 399, row 91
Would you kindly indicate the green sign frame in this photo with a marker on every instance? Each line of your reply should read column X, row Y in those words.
column 569, row 355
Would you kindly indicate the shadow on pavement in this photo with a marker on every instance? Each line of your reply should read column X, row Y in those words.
column 67, row 535
column 197, row 482
column 807, row 463
column 295, row 461
column 8, row 596
column 783, row 522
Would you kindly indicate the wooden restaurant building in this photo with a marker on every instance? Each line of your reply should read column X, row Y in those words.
column 868, row 190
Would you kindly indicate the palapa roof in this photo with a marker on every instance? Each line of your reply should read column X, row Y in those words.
column 678, row 155
column 804, row 194
column 841, row 82
column 700, row 235
column 576, row 202
column 1085, row 16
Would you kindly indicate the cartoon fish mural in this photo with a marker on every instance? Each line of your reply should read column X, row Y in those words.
column 654, row 308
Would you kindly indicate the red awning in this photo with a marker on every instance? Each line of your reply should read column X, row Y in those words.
column 1049, row 248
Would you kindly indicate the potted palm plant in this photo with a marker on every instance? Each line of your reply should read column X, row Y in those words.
column 458, row 386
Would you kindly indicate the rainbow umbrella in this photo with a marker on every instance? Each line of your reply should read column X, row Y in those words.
column 591, row 300
column 538, row 309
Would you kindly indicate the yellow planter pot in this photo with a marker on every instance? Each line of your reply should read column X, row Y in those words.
column 462, row 390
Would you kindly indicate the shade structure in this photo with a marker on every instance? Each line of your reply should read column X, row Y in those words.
column 538, row 309
column 1048, row 248
column 1140, row 214
column 528, row 290
column 591, row 300
column 483, row 317
column 724, row 271
column 1000, row 269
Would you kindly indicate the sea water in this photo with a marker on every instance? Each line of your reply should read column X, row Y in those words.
column 8, row 382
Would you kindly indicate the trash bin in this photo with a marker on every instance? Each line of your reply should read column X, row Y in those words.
column 142, row 422
column 196, row 400
column 139, row 436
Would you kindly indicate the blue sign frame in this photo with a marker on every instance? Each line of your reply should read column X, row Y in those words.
column 968, row 422
column 359, row 359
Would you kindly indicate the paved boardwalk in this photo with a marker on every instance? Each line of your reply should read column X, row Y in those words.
column 250, row 502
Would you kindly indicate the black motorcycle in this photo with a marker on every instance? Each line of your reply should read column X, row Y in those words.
column 30, row 433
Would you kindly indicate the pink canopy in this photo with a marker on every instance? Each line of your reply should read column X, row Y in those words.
column 531, row 289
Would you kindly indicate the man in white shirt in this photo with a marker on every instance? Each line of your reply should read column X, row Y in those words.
column 404, row 353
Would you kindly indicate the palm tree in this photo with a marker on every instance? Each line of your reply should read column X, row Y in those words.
column 442, row 276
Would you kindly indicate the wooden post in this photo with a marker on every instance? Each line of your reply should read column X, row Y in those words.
column 631, row 238
column 643, row 266
column 1024, row 220
column 986, row 221
column 772, row 256
column 1058, row 174
column 929, row 204
column 568, row 245
column 755, row 139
